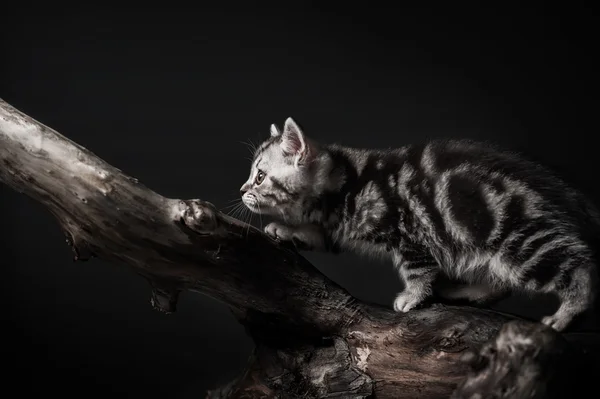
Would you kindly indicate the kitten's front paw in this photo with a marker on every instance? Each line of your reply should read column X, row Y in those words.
column 279, row 231
column 406, row 300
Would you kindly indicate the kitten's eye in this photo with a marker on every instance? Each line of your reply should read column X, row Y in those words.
column 260, row 176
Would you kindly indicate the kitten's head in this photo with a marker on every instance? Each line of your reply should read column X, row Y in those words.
column 283, row 173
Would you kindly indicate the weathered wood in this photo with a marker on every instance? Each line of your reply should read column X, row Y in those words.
column 313, row 339
column 530, row 360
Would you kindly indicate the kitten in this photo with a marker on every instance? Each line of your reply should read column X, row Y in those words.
column 454, row 211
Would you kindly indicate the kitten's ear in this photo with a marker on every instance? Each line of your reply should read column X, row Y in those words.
column 293, row 140
column 275, row 130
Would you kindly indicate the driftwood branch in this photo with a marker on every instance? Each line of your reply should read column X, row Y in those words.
column 313, row 339
column 531, row 360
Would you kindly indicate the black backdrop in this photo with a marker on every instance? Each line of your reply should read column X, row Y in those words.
column 168, row 97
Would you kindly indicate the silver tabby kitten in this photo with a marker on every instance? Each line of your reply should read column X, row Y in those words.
column 481, row 221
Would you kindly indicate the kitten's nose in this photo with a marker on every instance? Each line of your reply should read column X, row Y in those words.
column 244, row 189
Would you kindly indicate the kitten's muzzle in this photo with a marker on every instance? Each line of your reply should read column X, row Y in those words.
column 244, row 189
column 250, row 200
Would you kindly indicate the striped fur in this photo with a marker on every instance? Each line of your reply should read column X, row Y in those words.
column 459, row 217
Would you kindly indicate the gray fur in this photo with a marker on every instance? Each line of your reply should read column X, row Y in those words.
column 481, row 216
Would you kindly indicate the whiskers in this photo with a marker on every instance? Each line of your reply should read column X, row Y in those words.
column 251, row 147
column 282, row 213
column 239, row 211
column 259, row 216
column 236, row 207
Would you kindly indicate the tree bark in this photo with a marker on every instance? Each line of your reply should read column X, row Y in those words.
column 313, row 339
column 530, row 360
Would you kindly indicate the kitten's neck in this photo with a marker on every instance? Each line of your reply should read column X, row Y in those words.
column 330, row 173
column 336, row 167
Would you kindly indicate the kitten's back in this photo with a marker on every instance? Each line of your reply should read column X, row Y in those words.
column 493, row 160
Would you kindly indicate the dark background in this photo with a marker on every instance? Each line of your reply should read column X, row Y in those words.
column 168, row 97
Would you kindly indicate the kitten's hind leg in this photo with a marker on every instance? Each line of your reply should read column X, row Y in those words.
column 575, row 291
column 417, row 269
column 562, row 265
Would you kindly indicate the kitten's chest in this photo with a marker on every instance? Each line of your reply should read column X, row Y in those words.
column 365, row 246
column 366, row 239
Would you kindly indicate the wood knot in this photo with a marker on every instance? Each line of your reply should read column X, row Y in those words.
column 200, row 216
column 447, row 344
column 451, row 343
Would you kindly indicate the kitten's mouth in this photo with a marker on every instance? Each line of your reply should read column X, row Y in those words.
column 252, row 203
